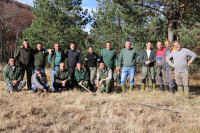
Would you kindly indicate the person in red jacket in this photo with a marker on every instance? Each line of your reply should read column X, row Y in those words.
column 161, row 74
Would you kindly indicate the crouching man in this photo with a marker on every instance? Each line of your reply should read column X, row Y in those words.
column 13, row 76
column 39, row 81
column 62, row 78
column 81, row 76
column 104, row 79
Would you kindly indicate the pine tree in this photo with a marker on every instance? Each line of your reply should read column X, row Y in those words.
column 176, row 12
column 57, row 21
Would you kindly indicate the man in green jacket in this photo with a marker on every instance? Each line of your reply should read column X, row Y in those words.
column 109, row 56
column 55, row 57
column 104, row 79
column 81, row 75
column 40, row 55
column 129, row 56
column 13, row 76
column 62, row 78
column 26, row 60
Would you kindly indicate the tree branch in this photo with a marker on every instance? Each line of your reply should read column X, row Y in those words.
column 155, row 9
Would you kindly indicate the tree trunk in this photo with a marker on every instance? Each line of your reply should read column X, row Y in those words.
column 1, row 44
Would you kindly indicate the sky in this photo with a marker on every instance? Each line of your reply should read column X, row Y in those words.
column 86, row 4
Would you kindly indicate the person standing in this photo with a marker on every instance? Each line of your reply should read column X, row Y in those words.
column 74, row 56
column 40, row 55
column 129, row 58
column 109, row 56
column 181, row 65
column 169, row 70
column 55, row 57
column 161, row 73
column 13, row 76
column 104, row 79
column 26, row 59
column 91, row 61
column 148, row 59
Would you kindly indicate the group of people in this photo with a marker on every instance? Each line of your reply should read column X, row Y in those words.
column 170, row 63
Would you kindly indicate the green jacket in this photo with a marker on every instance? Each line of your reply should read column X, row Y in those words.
column 62, row 75
column 51, row 58
column 81, row 76
column 103, row 74
column 40, row 58
column 25, row 56
column 9, row 74
column 129, row 57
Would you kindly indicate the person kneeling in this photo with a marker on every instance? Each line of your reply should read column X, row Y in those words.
column 62, row 78
column 39, row 81
column 81, row 76
column 104, row 79
column 13, row 76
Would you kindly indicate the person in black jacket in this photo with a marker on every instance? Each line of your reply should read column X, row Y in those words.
column 74, row 56
column 26, row 60
column 148, row 59
column 91, row 60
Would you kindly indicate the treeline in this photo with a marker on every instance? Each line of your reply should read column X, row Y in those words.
column 14, row 18
column 113, row 20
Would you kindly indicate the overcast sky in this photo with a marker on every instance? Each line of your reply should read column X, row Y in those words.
column 86, row 4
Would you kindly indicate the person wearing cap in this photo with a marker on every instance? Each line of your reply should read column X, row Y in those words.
column 91, row 61
column 81, row 76
column 40, row 55
column 39, row 81
column 55, row 57
column 63, row 78
column 148, row 59
column 181, row 66
column 25, row 55
column 13, row 76
column 129, row 57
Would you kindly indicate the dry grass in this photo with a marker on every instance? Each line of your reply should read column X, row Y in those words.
column 82, row 112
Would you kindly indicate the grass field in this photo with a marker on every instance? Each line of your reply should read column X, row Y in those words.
column 136, row 111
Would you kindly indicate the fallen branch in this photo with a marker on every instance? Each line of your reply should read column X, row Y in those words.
column 161, row 108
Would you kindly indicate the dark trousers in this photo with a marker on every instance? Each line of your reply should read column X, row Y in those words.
column 59, row 85
column 28, row 70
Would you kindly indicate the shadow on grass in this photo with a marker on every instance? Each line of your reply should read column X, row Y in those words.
column 195, row 90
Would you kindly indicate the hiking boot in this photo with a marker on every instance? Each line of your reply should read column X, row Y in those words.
column 131, row 87
column 143, row 86
column 162, row 88
column 154, row 86
column 123, row 88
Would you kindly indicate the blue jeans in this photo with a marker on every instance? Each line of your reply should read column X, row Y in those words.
column 42, row 70
column 128, row 71
column 52, row 75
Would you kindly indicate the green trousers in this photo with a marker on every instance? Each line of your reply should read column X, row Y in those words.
column 106, row 86
column 146, row 70
column 92, row 72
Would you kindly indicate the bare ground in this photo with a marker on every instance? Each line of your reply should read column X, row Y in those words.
column 83, row 112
